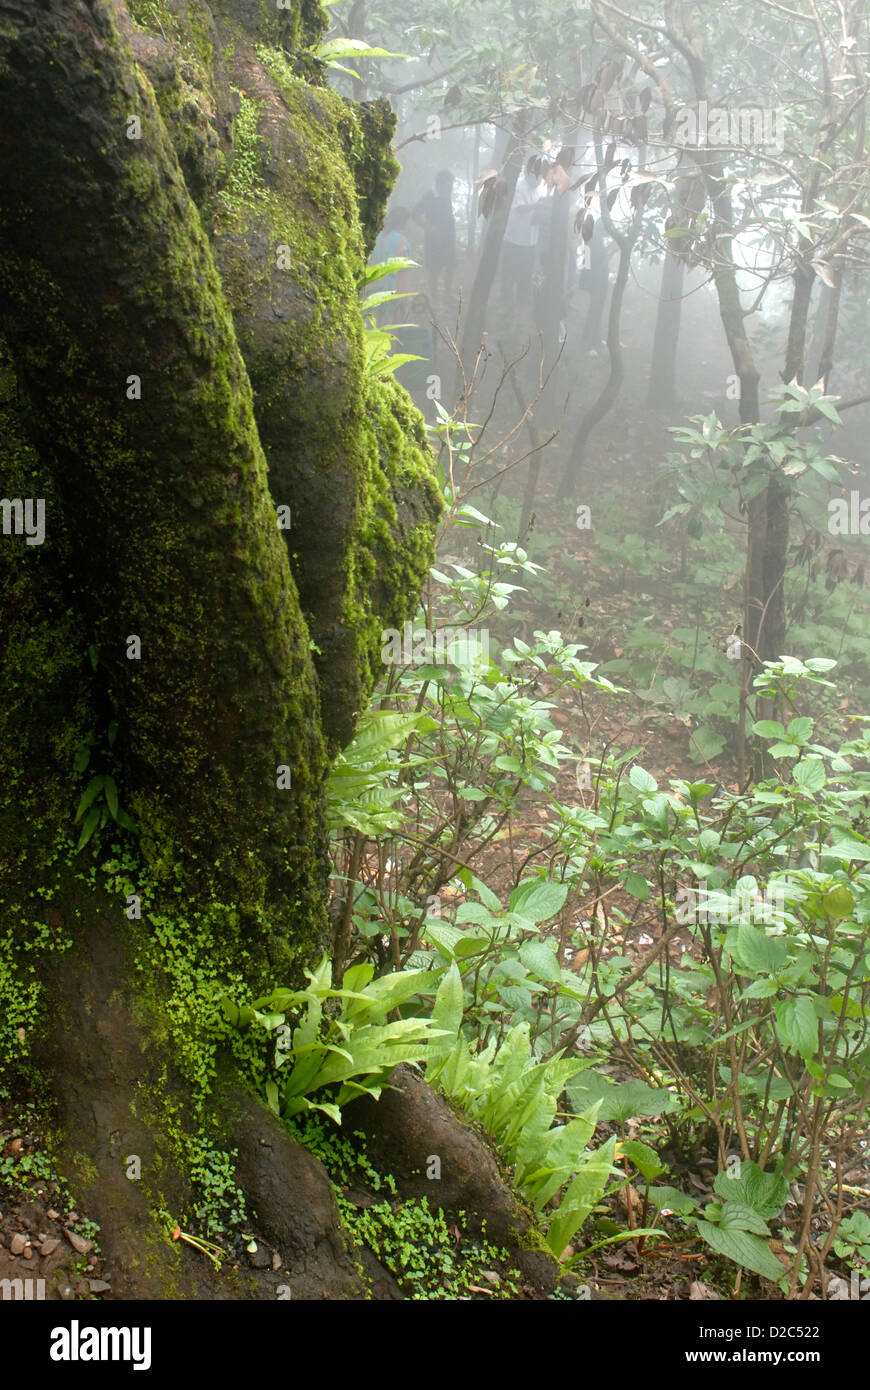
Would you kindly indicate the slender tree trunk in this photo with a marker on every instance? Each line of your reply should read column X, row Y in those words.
column 662, row 377
column 474, row 319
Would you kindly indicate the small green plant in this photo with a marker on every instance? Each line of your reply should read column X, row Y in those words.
column 379, row 357
column 515, row 1100
column 330, row 50
column 341, row 1043
column 428, row 1258
column 99, row 805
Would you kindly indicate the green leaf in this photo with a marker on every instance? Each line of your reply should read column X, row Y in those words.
column 739, row 1216
column 745, row 1182
column 849, row 849
column 672, row 1199
column 446, row 1015
column 390, row 266
column 111, row 792
column 799, row 730
column 768, row 728
column 92, row 820
column 92, row 790
column 645, row 1159
column 705, row 744
column 637, row 886
column 838, row 903
column 744, row 1249
column 809, row 774
column 352, row 48
column 538, row 899
column 759, row 953
column 797, row 1025
column 642, row 780
column 619, row 1102
column 444, row 935
column 540, row 960
column 580, row 1197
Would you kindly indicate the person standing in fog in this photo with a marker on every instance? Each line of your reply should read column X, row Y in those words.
column 434, row 213
column 521, row 239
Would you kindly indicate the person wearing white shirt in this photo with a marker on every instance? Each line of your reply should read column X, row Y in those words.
column 521, row 239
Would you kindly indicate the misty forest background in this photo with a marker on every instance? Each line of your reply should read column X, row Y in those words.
column 435, row 810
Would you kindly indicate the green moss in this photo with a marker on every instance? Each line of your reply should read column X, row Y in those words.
column 244, row 188
column 368, row 131
column 410, row 1239
column 292, row 257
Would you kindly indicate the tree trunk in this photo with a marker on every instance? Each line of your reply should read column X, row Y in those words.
column 662, row 376
column 153, row 223
column 474, row 325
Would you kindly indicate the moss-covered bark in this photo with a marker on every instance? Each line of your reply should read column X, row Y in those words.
column 166, row 384
column 108, row 289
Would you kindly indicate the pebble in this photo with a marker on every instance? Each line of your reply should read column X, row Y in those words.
column 17, row 1243
column 99, row 1286
column 49, row 1246
column 27, row 1252
column 66, row 1291
column 52, row 1214
column 79, row 1243
column 276, row 1260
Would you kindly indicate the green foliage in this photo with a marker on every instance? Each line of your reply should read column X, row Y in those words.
column 379, row 358
column 361, row 789
column 416, row 1245
column 348, row 1051
column 245, row 186
column 427, row 1258
column 99, row 806
column 220, row 1204
column 515, row 1100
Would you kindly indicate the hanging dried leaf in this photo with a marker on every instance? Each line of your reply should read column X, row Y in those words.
column 588, row 228
column 486, row 198
column 610, row 157
column 836, row 570
column 639, row 130
column 625, row 169
column 645, row 99
column 823, row 270
column 611, row 198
